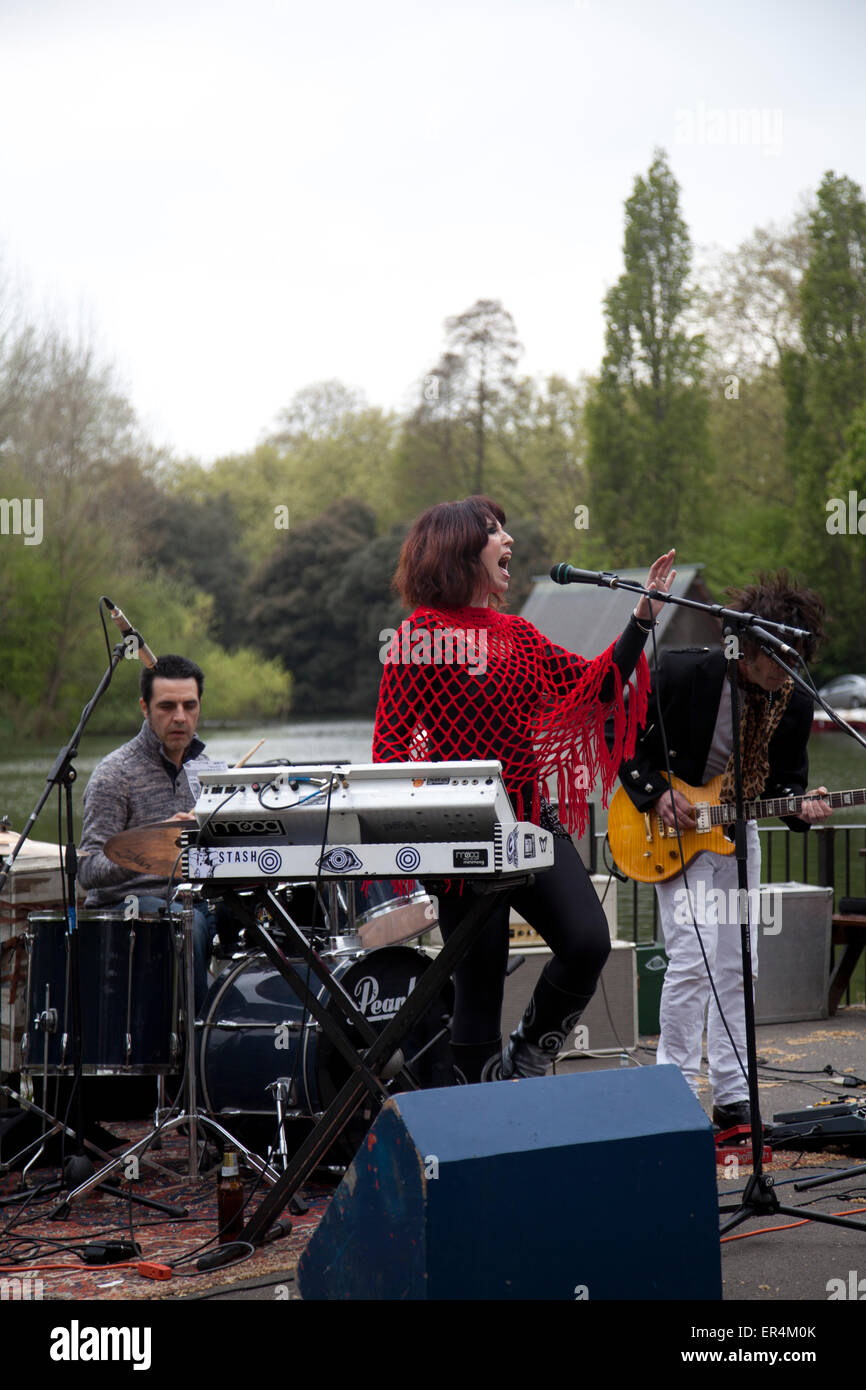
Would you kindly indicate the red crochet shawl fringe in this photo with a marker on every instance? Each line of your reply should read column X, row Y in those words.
column 473, row 683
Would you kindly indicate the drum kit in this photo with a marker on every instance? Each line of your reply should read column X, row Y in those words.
column 331, row 1005
column 261, row 1060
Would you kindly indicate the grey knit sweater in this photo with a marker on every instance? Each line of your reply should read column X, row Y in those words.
column 130, row 787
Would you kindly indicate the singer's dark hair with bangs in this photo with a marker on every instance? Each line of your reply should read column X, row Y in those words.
column 171, row 668
column 781, row 599
column 439, row 564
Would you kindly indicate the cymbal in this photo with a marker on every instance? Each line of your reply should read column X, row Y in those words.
column 151, row 849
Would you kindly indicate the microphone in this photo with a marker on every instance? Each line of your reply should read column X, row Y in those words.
column 759, row 634
column 566, row 574
column 142, row 650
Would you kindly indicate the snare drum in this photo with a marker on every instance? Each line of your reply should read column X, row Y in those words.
column 386, row 918
column 254, row 1029
column 129, row 995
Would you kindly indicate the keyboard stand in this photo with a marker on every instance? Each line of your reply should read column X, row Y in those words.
column 324, row 1014
column 364, row 1068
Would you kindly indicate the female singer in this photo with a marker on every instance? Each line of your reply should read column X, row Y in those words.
column 474, row 683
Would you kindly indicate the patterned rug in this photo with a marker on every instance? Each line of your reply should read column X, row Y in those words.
column 46, row 1249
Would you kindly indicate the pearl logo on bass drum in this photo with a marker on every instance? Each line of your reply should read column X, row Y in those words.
column 373, row 1006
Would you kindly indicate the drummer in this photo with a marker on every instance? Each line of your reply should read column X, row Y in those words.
column 152, row 778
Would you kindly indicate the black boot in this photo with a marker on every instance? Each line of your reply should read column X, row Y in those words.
column 522, row 1058
column 550, row 1016
column 474, row 1062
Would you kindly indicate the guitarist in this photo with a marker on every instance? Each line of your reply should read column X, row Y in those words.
column 692, row 691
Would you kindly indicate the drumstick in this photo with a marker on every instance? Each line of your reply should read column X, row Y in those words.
column 247, row 756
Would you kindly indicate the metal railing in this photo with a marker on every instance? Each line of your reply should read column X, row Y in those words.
column 826, row 856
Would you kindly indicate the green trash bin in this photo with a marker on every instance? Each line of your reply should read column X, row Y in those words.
column 651, row 966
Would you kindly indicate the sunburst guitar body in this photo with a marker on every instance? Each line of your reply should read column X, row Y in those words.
column 647, row 850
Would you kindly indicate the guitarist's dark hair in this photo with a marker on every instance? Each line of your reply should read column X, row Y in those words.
column 781, row 599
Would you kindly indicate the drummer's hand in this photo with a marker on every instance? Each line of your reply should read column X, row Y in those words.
column 661, row 576
column 184, row 815
column 816, row 809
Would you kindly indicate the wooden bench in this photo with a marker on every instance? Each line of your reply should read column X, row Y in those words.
column 849, row 930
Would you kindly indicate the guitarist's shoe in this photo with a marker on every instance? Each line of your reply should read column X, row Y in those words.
column 522, row 1058
column 731, row 1116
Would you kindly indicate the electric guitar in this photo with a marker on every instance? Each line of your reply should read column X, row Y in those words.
column 646, row 849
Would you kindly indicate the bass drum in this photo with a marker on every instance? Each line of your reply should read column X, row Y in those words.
column 254, row 1029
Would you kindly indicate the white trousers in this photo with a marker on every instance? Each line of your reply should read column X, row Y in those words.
column 686, row 994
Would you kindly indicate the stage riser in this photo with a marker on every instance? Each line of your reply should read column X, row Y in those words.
column 589, row 1186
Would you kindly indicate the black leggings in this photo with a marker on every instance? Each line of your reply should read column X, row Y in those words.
column 564, row 909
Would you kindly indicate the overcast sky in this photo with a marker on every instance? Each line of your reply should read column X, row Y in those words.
column 243, row 197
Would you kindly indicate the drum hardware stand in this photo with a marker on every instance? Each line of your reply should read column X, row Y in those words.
column 193, row 1117
column 385, row 1046
column 280, row 1089
column 57, row 1128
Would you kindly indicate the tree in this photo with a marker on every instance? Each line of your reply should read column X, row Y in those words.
column 752, row 298
column 318, row 411
column 295, row 617
column 19, row 357
column 455, row 441
column 546, row 437
column 647, row 417
column 482, row 341
column 825, row 388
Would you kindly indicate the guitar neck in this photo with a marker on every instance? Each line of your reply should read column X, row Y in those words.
column 784, row 806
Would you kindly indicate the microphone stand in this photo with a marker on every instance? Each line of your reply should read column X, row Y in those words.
column 759, row 1196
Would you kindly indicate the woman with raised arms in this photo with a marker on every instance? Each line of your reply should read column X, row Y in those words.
column 541, row 711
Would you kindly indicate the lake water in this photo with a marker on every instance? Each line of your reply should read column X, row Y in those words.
column 835, row 761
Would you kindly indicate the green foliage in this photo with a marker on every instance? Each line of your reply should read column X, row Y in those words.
column 647, row 416
column 459, row 440
column 737, row 517
column 304, row 614
column 825, row 389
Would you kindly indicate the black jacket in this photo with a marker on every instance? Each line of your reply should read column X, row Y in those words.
column 688, row 686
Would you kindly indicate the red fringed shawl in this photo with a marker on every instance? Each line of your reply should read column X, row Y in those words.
column 472, row 683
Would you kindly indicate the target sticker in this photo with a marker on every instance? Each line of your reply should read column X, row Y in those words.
column 270, row 861
column 408, row 859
